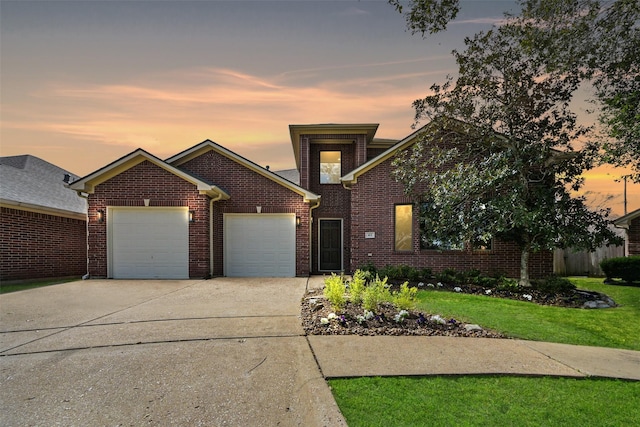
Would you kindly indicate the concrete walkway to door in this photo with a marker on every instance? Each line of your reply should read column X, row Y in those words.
column 221, row 352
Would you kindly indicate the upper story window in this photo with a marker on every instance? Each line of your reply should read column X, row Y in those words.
column 330, row 167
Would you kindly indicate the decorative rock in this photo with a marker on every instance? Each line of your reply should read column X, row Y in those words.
column 472, row 327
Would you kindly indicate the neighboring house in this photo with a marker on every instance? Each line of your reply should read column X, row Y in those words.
column 631, row 224
column 43, row 223
column 209, row 212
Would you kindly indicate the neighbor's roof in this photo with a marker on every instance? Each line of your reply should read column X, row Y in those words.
column 30, row 183
column 625, row 220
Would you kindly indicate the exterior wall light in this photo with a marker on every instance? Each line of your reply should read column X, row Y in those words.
column 191, row 216
column 101, row 215
column 298, row 221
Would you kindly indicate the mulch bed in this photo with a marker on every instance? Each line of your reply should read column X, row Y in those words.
column 315, row 307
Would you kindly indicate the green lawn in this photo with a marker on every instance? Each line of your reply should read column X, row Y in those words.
column 501, row 400
column 615, row 327
column 487, row 401
column 38, row 283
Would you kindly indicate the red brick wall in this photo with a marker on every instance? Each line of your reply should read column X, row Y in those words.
column 373, row 198
column 336, row 200
column 634, row 237
column 130, row 188
column 35, row 245
column 249, row 189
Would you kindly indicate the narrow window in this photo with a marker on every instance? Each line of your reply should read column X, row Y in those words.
column 330, row 167
column 404, row 227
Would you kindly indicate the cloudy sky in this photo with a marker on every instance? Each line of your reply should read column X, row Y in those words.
column 86, row 82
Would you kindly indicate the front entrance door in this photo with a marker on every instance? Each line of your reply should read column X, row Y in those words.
column 330, row 245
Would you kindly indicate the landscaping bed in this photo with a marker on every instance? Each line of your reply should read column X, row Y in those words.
column 320, row 318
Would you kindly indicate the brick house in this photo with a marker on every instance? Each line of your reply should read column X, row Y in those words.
column 631, row 224
column 43, row 224
column 209, row 212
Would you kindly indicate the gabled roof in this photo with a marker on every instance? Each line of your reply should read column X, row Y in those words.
column 625, row 220
column 209, row 145
column 369, row 129
column 89, row 182
column 30, row 183
column 352, row 177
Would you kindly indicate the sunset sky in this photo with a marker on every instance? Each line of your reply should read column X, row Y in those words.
column 86, row 82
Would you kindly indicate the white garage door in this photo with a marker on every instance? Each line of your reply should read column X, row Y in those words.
column 149, row 243
column 260, row 245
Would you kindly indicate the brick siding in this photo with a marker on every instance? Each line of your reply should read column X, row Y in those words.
column 373, row 199
column 249, row 189
column 633, row 234
column 37, row 245
column 130, row 188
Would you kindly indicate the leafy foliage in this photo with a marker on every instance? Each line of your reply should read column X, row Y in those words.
column 555, row 285
column 625, row 268
column 335, row 290
column 497, row 158
column 376, row 293
column 406, row 297
column 357, row 286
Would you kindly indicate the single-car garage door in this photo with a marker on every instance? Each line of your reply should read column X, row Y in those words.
column 260, row 245
column 148, row 243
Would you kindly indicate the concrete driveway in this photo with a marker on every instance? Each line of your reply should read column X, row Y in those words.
column 220, row 352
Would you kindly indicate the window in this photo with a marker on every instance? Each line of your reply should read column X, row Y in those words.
column 404, row 227
column 330, row 167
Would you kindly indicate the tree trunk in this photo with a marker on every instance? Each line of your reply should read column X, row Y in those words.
column 524, row 267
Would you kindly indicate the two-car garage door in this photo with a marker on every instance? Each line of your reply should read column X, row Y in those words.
column 153, row 243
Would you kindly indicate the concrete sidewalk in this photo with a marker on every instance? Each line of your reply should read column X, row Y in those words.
column 355, row 356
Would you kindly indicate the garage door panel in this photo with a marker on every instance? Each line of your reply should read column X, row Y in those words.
column 149, row 243
column 260, row 245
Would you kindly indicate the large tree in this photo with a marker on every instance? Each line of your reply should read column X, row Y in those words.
column 598, row 39
column 499, row 160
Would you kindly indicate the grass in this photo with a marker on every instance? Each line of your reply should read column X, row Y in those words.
column 486, row 401
column 615, row 327
column 502, row 400
column 5, row 288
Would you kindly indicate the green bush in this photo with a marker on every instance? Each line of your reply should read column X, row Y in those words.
column 357, row 286
column 334, row 291
column 370, row 269
column 448, row 275
column 405, row 298
column 554, row 285
column 625, row 268
column 375, row 294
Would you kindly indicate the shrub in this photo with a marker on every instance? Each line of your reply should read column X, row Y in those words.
column 504, row 284
column 334, row 291
column 370, row 269
column 448, row 275
column 625, row 268
column 555, row 285
column 375, row 294
column 405, row 298
column 357, row 286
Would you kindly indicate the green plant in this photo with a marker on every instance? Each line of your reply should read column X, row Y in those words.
column 554, row 285
column 334, row 291
column 504, row 284
column 448, row 275
column 357, row 286
column 370, row 269
column 405, row 298
column 375, row 294
column 625, row 268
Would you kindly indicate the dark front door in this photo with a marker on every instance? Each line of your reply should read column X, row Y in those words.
column 330, row 245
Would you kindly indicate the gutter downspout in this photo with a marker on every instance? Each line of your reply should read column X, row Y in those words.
column 215, row 199
column 317, row 205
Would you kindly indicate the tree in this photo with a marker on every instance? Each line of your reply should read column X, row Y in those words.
column 600, row 39
column 498, row 160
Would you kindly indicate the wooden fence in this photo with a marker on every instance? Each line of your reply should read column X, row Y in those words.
column 566, row 262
